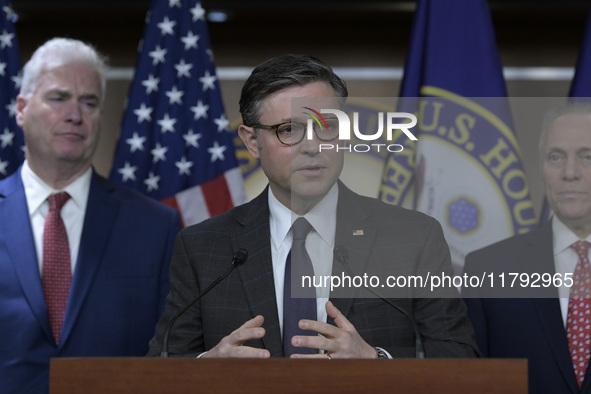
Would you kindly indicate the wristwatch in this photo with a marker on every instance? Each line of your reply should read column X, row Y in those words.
column 381, row 353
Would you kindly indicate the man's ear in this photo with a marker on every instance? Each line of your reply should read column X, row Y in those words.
column 21, row 102
column 248, row 136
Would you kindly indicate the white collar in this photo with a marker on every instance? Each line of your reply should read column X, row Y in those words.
column 563, row 237
column 322, row 217
column 38, row 191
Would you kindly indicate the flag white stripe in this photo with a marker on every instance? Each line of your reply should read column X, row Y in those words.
column 235, row 186
column 192, row 205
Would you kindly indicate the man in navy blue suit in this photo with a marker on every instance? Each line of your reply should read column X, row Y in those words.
column 540, row 323
column 101, row 292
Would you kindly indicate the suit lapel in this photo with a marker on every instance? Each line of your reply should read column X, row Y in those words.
column 352, row 232
column 17, row 235
column 257, row 274
column 548, row 309
column 253, row 234
column 101, row 212
column 550, row 319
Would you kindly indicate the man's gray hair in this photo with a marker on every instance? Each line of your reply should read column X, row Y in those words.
column 59, row 52
column 572, row 107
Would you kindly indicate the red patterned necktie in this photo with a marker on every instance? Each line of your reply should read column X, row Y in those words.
column 57, row 271
column 578, row 323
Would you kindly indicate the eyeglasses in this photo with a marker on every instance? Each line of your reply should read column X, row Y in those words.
column 292, row 133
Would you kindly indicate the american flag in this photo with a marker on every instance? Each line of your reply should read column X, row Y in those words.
column 175, row 145
column 12, row 141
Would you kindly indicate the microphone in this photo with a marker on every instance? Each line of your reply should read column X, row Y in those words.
column 341, row 254
column 239, row 258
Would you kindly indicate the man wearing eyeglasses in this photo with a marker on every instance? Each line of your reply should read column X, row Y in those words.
column 296, row 224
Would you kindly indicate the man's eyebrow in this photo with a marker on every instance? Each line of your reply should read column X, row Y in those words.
column 89, row 96
column 561, row 150
column 67, row 92
column 59, row 91
column 555, row 150
column 284, row 120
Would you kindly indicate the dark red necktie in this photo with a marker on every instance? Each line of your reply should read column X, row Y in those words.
column 578, row 325
column 57, row 271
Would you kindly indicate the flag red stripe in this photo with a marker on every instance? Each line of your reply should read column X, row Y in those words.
column 217, row 195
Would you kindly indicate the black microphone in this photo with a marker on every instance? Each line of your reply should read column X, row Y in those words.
column 341, row 254
column 239, row 258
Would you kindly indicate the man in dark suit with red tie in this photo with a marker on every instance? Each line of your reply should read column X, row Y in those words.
column 249, row 314
column 547, row 325
column 83, row 262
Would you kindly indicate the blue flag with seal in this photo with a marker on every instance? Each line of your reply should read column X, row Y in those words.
column 465, row 169
column 581, row 85
column 12, row 140
column 175, row 145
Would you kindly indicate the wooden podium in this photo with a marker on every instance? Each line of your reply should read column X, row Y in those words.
column 181, row 375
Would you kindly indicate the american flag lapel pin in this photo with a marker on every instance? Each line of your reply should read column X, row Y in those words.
column 358, row 232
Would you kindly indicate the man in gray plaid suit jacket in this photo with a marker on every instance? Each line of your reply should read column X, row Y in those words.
column 243, row 315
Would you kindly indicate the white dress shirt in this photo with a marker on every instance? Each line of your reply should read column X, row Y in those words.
column 565, row 258
column 319, row 244
column 73, row 211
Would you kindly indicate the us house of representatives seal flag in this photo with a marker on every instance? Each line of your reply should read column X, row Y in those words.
column 465, row 169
